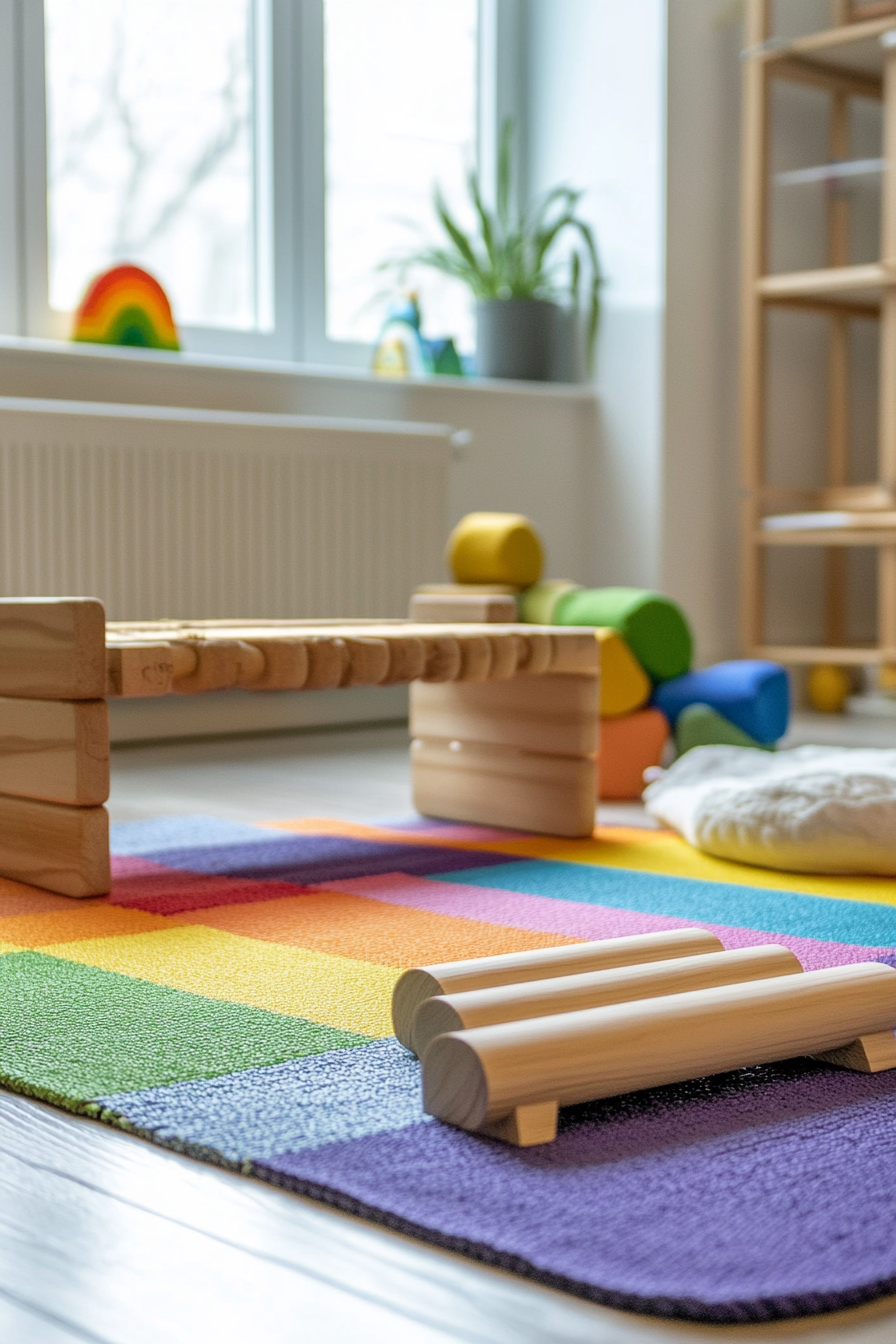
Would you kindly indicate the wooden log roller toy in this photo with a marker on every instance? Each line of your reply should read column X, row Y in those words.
column 504, row 716
column 502, row 1050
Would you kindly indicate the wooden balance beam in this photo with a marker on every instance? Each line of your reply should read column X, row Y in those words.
column 502, row 1050
column 504, row 717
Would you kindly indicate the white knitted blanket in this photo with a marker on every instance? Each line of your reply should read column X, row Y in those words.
column 808, row 810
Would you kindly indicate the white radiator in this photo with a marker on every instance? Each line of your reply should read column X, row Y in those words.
column 190, row 513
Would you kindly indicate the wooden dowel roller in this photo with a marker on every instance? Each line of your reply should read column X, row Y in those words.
column 571, row 993
column 499, row 1079
column 543, row 963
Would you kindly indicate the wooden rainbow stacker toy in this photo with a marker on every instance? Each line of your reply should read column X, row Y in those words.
column 505, row 1041
column 504, row 717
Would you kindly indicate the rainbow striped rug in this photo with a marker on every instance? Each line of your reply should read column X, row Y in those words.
column 230, row 1000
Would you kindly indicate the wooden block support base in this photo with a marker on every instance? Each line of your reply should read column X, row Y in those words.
column 63, row 849
column 500, row 786
column 53, row 648
column 55, row 750
column 868, row 1054
column 527, row 1125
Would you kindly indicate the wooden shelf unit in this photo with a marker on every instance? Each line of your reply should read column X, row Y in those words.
column 856, row 58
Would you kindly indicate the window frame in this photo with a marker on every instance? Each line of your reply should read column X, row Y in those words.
column 295, row 103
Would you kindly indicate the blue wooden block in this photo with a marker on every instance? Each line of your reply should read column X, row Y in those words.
column 750, row 693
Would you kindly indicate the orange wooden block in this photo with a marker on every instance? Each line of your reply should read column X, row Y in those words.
column 628, row 745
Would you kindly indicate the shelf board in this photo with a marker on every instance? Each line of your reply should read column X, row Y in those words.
column 854, row 49
column 801, row 653
column 857, row 287
column 828, row 536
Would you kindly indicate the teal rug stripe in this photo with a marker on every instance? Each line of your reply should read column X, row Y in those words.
column 783, row 912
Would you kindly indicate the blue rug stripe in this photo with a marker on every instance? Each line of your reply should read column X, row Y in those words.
column 304, row 1103
column 305, row 859
column 783, row 912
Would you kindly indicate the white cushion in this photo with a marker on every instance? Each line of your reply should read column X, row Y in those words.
column 807, row 810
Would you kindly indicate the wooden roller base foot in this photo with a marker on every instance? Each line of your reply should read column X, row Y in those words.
column 527, row 1125
column 869, row 1054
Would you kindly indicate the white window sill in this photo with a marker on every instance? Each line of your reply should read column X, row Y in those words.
column 44, row 357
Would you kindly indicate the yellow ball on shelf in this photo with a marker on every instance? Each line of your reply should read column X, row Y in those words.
column 827, row 687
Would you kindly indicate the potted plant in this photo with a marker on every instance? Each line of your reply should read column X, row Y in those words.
column 524, row 308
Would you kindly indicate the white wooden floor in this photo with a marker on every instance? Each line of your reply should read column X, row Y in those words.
column 105, row 1238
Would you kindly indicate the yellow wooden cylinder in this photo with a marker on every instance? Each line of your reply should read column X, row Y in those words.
column 477, row 1077
column 594, row 989
column 414, row 986
column 495, row 548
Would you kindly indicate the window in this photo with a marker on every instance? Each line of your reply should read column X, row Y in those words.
column 261, row 157
column 396, row 122
column 156, row 153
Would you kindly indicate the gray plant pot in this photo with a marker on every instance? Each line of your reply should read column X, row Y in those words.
column 519, row 338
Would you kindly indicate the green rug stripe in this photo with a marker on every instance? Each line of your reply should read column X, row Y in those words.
column 69, row 1033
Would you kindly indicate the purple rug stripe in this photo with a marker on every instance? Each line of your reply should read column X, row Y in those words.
column 306, row 859
column 304, row 1103
column 543, row 914
column 710, row 1200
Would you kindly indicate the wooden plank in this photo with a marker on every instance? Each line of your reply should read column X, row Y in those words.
column 486, row 607
column 53, row 648
column 477, row 1077
column 56, row 750
column 855, row 535
column 553, row 714
column 594, row 989
column 143, row 669
column 838, row 212
column 753, row 264
column 63, row 849
column 500, row 786
column 419, row 983
column 868, row 1054
column 834, row 79
column 827, row 283
column 823, row 653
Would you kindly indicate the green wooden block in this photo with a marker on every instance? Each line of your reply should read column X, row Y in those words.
column 701, row 726
column 653, row 626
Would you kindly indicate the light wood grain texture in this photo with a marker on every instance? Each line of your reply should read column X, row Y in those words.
column 420, row 983
column 431, row 650
column 526, row 1126
column 52, row 648
column 141, row 669
column 594, row 989
column 55, row 750
column 802, row 654
column 868, row 1054
column 503, row 786
column 553, row 714
column 220, row 664
column 754, row 250
column 487, row 607
column 474, row 1078
column 64, row 849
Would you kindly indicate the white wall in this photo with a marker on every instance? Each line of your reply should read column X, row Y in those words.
column 595, row 96
column 700, row 476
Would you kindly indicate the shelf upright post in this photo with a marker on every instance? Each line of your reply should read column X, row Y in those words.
column 754, row 245
column 838, row 370
column 886, row 581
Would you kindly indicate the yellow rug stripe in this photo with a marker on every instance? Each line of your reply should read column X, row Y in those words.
column 334, row 991
column 663, row 852
column 8, row 947
column 635, row 847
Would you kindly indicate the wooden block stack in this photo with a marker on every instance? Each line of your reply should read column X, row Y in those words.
column 503, row 1049
column 54, row 745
